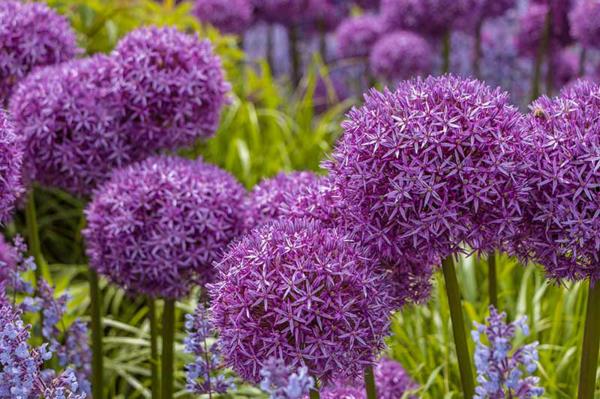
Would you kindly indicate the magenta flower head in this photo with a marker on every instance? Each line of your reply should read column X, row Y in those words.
column 31, row 35
column 156, row 227
column 531, row 30
column 357, row 35
column 227, row 16
column 70, row 118
column 325, row 15
column 175, row 86
column 400, row 55
column 429, row 166
column 266, row 199
column 565, row 67
column 392, row 380
column 11, row 158
column 304, row 293
column 585, row 23
column 563, row 217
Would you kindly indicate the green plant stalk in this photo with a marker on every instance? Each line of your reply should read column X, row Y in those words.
column 539, row 59
column 314, row 394
column 477, row 50
column 492, row 280
column 154, row 357
column 168, row 339
column 370, row 386
column 270, row 60
column 446, row 52
column 458, row 327
column 97, row 351
column 33, row 240
column 294, row 55
column 591, row 342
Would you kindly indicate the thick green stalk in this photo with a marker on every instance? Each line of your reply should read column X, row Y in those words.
column 168, row 339
column 154, row 357
column 458, row 327
column 270, row 60
column 314, row 394
column 446, row 52
column 492, row 280
column 33, row 240
column 370, row 383
column 294, row 55
column 97, row 351
column 591, row 341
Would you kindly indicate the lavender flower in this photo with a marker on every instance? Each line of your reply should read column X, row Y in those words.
column 280, row 382
column 203, row 374
column 434, row 164
column 400, row 55
column 266, row 199
column 562, row 219
column 357, row 35
column 175, row 87
column 11, row 156
column 31, row 35
column 502, row 372
column 157, row 226
column 585, row 23
column 392, row 380
column 76, row 353
column 227, row 16
column 303, row 293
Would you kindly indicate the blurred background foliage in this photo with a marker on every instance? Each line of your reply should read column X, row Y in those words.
column 268, row 128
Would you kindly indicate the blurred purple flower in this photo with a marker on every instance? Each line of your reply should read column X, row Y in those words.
column 11, row 158
column 392, row 380
column 156, row 227
column 280, row 382
column 229, row 16
column 585, row 23
column 357, row 35
column 400, row 55
column 329, row 91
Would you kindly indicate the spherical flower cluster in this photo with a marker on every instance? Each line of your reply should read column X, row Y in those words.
column 11, row 157
column 391, row 380
column 69, row 116
column 400, row 55
column 31, row 35
column 175, row 87
column 357, row 35
column 493, row 8
column 317, row 200
column 563, row 215
column 325, row 15
column 285, row 12
column 304, row 293
column 344, row 392
column 560, row 30
column 531, row 30
column 227, row 16
column 157, row 226
column 431, row 165
column 565, row 67
column 585, row 23
column 428, row 17
column 266, row 199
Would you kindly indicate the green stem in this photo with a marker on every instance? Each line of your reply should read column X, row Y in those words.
column 539, row 59
column 314, row 394
column 492, row 280
column 168, row 337
column 582, row 57
column 458, row 327
column 591, row 341
column 154, row 359
column 446, row 52
column 97, row 352
column 370, row 386
column 294, row 55
column 33, row 240
column 270, row 58
column 323, row 46
column 477, row 54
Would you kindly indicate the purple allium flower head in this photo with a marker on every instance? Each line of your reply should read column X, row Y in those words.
column 562, row 223
column 69, row 116
column 304, row 293
column 325, row 15
column 585, row 23
column 400, row 55
column 285, row 12
column 266, row 199
column 11, row 157
column 280, row 382
column 157, row 226
column 226, row 15
column 175, row 87
column 392, row 380
column 428, row 17
column 31, row 35
column 8, row 262
column 559, row 27
column 316, row 199
column 357, row 35
column 565, row 67
column 501, row 371
column 531, row 30
column 343, row 392
column 431, row 165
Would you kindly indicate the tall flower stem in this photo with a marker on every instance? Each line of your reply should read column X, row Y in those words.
column 492, row 280
column 294, row 55
column 370, row 383
column 539, row 59
column 270, row 58
column 154, row 357
column 314, row 394
column 591, row 341
column 168, row 339
column 582, row 57
column 446, row 52
column 97, row 351
column 477, row 50
column 33, row 240
column 458, row 327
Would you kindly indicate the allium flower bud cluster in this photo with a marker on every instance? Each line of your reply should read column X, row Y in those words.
column 400, row 55
column 431, row 165
column 31, row 35
column 11, row 157
column 563, row 217
column 156, row 227
column 392, row 380
column 304, row 293
column 357, row 35
column 229, row 16
column 585, row 23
